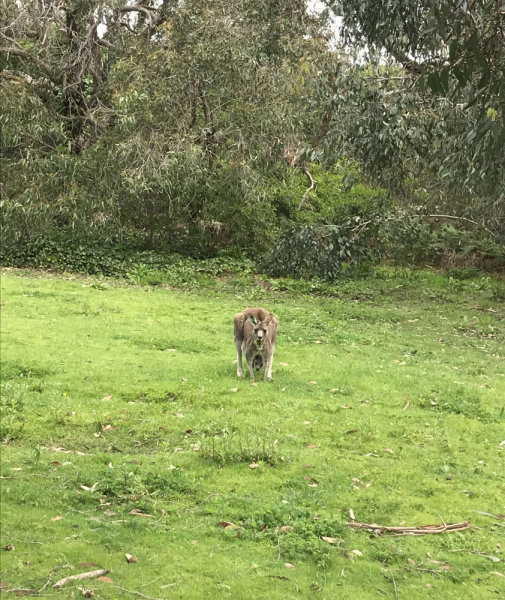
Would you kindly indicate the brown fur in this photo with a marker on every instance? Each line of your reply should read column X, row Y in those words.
column 256, row 340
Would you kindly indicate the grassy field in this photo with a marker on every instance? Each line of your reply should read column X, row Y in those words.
column 388, row 401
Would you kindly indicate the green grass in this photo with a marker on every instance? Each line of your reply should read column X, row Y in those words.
column 175, row 440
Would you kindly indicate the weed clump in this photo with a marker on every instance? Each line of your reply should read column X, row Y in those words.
column 12, row 405
column 296, row 532
column 232, row 445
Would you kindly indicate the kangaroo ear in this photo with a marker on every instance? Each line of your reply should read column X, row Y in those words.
column 268, row 320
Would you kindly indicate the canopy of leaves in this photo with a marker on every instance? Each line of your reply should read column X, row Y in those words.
column 161, row 117
column 424, row 100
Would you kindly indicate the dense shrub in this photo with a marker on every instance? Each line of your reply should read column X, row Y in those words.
column 141, row 266
column 325, row 251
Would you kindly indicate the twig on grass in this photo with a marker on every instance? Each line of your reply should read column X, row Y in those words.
column 421, row 530
column 394, row 583
column 8, row 535
column 88, row 575
column 134, row 592
column 157, row 579
column 32, row 475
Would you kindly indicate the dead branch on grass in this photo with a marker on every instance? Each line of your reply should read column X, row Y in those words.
column 88, row 575
column 421, row 530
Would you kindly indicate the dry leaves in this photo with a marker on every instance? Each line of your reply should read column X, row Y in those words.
column 289, row 566
column 407, row 405
column 106, row 398
column 137, row 513
column 496, row 573
column 310, row 446
column 89, row 489
column 388, row 450
column 411, row 561
column 10, row 547
column 330, row 540
column 253, row 465
column 286, row 528
column 59, row 518
column 131, row 559
column 235, row 389
column 87, row 564
column 345, row 406
column 227, row 525
column 105, row 579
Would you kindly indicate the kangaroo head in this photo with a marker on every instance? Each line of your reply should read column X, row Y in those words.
column 260, row 329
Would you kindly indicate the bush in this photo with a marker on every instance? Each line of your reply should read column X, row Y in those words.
column 325, row 251
column 148, row 267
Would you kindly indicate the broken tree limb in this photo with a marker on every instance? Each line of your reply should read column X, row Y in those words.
column 88, row 575
column 422, row 530
column 313, row 184
column 463, row 219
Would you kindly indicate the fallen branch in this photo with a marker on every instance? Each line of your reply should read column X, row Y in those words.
column 463, row 219
column 422, row 530
column 313, row 184
column 88, row 575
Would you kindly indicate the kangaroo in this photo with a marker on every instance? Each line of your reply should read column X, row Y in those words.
column 255, row 332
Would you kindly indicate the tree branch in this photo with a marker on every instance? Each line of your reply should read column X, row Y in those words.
column 463, row 219
column 313, row 184
column 143, row 9
column 23, row 54
column 408, row 63
column 105, row 43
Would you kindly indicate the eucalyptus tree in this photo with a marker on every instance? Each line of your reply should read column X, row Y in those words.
column 425, row 98
column 163, row 116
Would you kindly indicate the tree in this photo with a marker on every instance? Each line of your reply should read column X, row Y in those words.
column 430, row 100
column 161, row 117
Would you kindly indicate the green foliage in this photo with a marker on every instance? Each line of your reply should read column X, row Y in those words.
column 333, row 199
column 327, row 252
column 11, row 409
column 128, row 482
column 148, row 130
column 301, row 540
column 148, row 267
column 435, row 114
